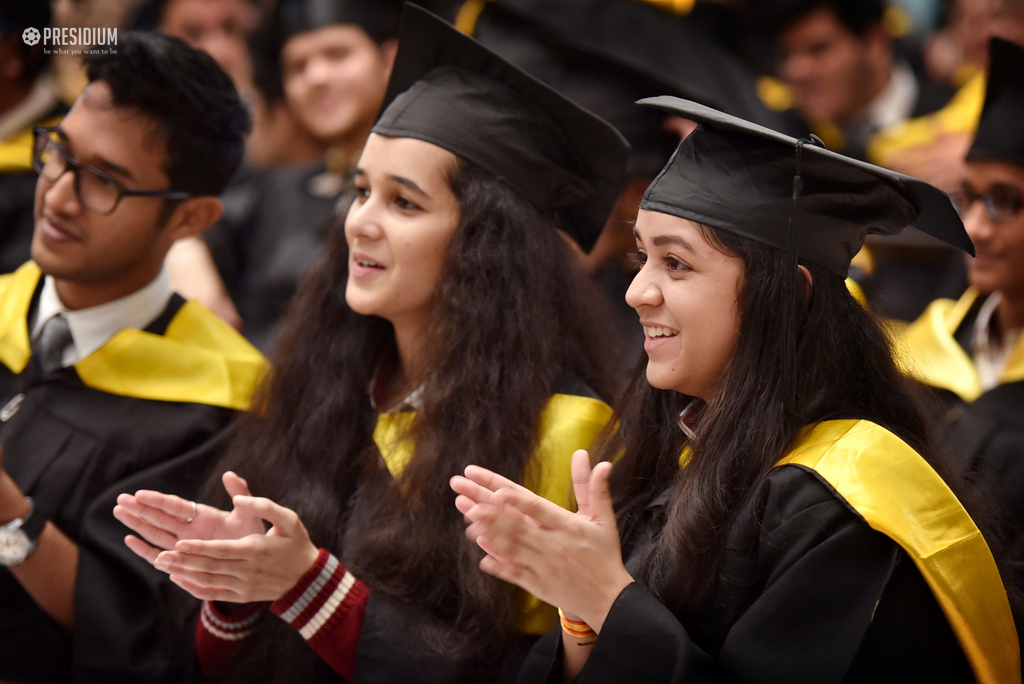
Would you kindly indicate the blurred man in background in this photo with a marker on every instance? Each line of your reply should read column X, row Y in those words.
column 840, row 61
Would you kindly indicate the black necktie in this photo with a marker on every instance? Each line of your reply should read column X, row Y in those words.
column 51, row 343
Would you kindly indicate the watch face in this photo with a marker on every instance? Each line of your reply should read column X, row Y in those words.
column 14, row 547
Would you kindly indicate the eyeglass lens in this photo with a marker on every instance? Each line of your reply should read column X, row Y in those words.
column 1000, row 204
column 94, row 191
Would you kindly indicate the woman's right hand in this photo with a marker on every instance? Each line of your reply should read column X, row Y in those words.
column 162, row 520
column 570, row 560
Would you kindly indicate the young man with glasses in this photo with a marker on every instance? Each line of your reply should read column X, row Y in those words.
column 109, row 381
column 972, row 350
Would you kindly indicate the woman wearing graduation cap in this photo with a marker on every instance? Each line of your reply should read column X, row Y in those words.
column 775, row 490
column 446, row 325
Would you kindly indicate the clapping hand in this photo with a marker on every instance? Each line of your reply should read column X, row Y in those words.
column 571, row 560
column 163, row 519
column 220, row 556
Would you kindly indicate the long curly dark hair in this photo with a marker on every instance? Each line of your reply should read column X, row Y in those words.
column 845, row 370
column 512, row 315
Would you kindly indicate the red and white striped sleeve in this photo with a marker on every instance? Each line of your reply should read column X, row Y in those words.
column 327, row 607
column 219, row 637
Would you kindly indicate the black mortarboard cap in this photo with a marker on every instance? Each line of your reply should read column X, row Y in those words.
column 599, row 83
column 677, row 52
column 1000, row 135
column 448, row 89
column 732, row 175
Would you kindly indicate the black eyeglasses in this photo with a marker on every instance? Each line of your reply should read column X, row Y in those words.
column 1002, row 202
column 96, row 190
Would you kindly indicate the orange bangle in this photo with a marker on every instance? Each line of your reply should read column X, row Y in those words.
column 576, row 629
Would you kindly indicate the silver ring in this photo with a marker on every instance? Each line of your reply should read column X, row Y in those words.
column 195, row 510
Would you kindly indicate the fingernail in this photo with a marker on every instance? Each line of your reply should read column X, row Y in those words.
column 162, row 565
column 182, row 546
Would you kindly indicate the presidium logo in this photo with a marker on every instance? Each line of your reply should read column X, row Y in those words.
column 78, row 40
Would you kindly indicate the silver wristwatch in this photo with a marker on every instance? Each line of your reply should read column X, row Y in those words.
column 18, row 538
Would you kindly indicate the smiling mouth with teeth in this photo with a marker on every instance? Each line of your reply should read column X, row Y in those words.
column 660, row 332
column 368, row 264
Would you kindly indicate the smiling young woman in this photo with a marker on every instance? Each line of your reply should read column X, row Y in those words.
column 447, row 324
column 778, row 510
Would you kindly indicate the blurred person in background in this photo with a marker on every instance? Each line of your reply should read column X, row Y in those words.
column 847, row 80
column 224, row 29
column 27, row 99
column 933, row 147
column 220, row 28
column 333, row 59
column 972, row 350
column 958, row 50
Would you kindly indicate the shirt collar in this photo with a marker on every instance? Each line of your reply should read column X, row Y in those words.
column 896, row 101
column 989, row 351
column 380, row 383
column 689, row 417
column 91, row 328
column 893, row 105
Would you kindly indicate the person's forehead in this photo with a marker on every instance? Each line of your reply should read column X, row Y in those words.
column 406, row 156
column 325, row 37
column 180, row 10
column 989, row 172
column 817, row 23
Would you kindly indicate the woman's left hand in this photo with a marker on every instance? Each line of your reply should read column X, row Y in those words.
column 569, row 560
column 258, row 567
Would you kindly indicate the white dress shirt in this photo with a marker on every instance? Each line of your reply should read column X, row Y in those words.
column 91, row 328
column 990, row 352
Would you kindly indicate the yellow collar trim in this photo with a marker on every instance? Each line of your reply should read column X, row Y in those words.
column 928, row 351
column 199, row 359
column 16, row 290
column 567, row 423
column 898, row 494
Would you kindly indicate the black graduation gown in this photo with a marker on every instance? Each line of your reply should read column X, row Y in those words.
column 391, row 645
column 73, row 449
column 809, row 593
column 273, row 231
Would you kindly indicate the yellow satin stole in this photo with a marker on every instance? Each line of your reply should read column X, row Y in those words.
column 567, row 423
column 199, row 359
column 960, row 115
column 898, row 494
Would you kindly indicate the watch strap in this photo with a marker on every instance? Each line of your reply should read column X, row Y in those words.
column 33, row 522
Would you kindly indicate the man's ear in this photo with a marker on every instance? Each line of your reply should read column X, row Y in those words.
column 389, row 49
column 809, row 284
column 193, row 216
